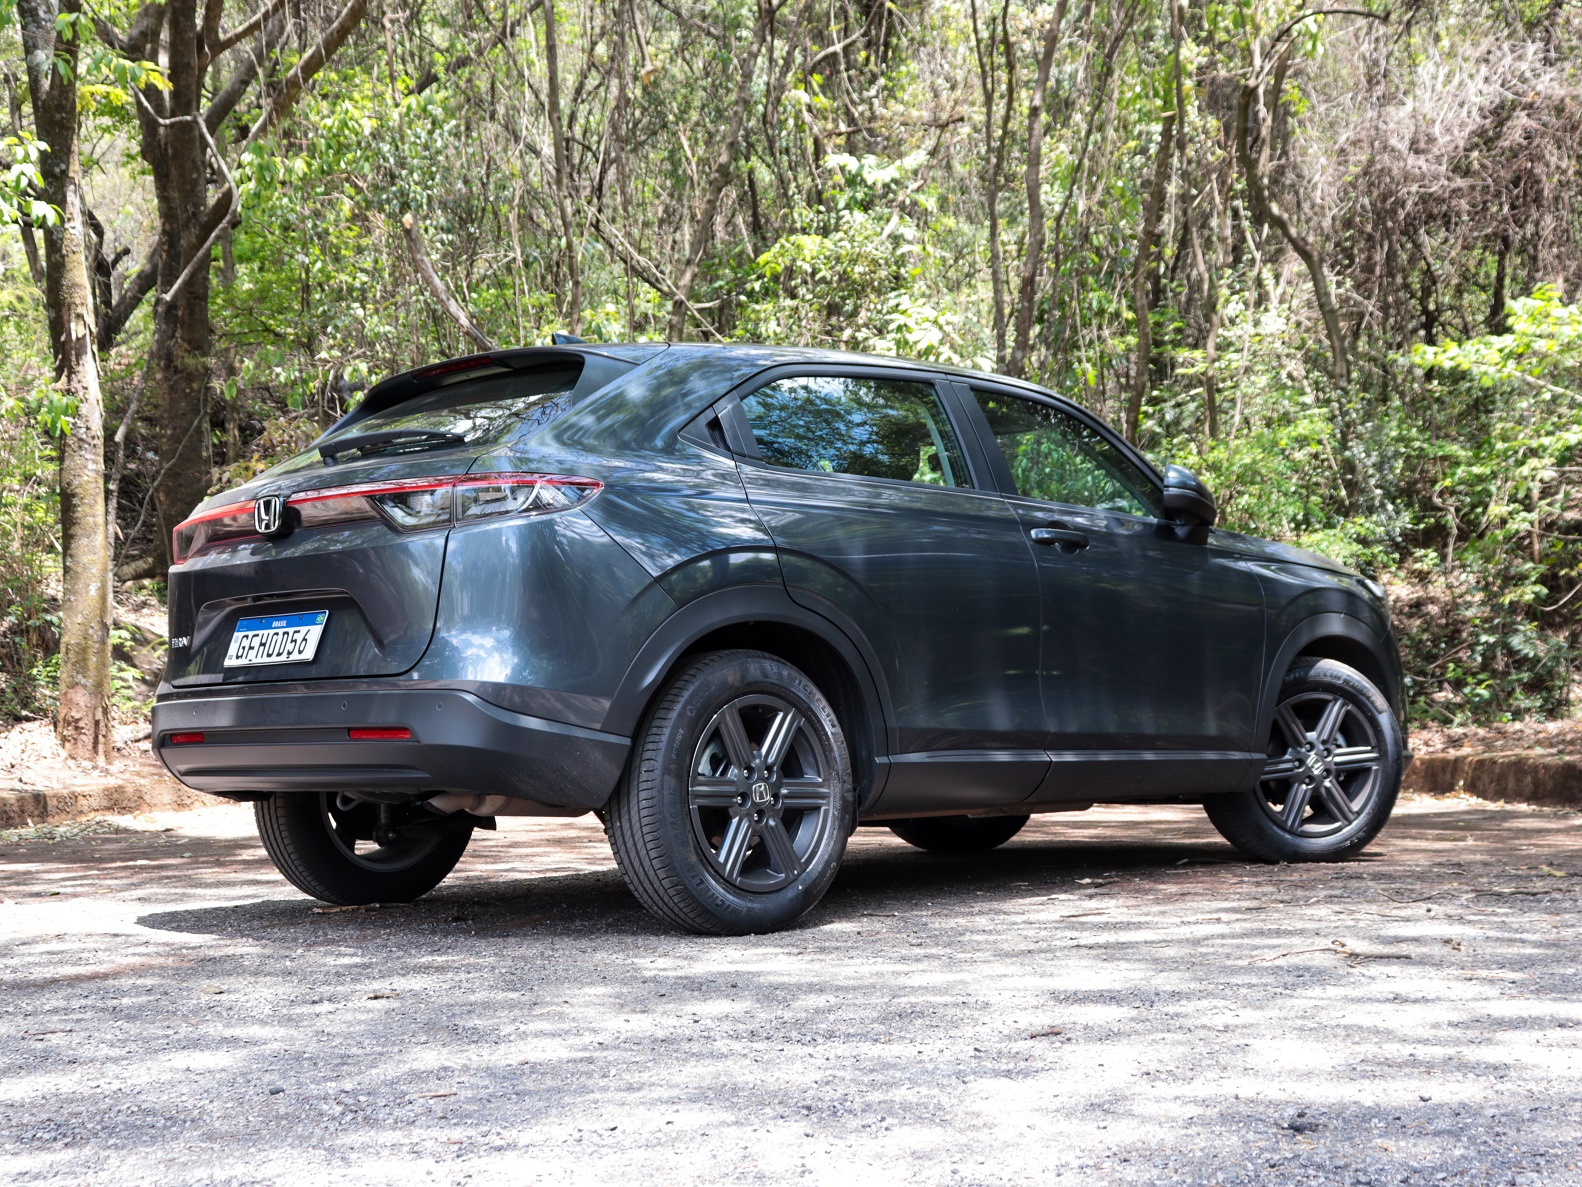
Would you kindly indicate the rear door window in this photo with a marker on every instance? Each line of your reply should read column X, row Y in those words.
column 870, row 427
column 1056, row 458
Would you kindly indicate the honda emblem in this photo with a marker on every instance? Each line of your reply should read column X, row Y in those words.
column 269, row 515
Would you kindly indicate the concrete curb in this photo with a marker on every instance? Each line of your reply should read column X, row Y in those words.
column 1516, row 778
column 1513, row 778
column 20, row 807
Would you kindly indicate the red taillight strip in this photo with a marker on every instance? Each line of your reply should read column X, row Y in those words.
column 374, row 489
column 402, row 486
column 217, row 513
column 184, row 739
column 380, row 734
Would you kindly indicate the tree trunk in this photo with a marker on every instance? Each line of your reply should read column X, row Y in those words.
column 994, row 157
column 1140, row 303
column 719, row 177
column 186, row 42
column 83, row 723
column 557, row 130
column 1270, row 211
column 1033, row 251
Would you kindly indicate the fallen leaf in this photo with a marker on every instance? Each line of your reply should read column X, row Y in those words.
column 433, row 1096
column 377, row 997
column 1047, row 1032
column 1553, row 873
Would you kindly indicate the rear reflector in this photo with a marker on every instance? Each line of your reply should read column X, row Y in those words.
column 184, row 739
column 389, row 734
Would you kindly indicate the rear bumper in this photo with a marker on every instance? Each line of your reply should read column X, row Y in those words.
column 263, row 742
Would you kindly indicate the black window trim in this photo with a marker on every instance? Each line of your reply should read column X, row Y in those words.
column 979, row 466
column 1000, row 468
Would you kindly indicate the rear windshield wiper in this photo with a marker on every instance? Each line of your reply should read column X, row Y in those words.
column 388, row 441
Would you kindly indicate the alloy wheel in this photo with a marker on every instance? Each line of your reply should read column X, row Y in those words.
column 1324, row 767
column 760, row 793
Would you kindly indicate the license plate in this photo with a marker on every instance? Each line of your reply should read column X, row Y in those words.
column 277, row 639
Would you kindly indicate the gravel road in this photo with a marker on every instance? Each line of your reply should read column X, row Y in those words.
column 1111, row 998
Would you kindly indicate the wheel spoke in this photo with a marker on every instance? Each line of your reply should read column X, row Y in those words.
column 1291, row 725
column 1329, row 721
column 733, row 848
column 780, row 847
column 708, row 792
column 801, row 794
column 1284, row 767
column 1355, row 758
column 1338, row 802
column 777, row 742
column 1295, row 807
column 734, row 735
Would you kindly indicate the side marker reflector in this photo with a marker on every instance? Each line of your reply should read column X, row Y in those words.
column 184, row 739
column 393, row 734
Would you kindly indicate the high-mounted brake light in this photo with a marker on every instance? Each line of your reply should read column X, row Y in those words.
column 407, row 505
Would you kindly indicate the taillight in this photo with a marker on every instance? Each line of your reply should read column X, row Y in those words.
column 234, row 521
column 407, row 505
column 485, row 495
column 184, row 739
column 379, row 734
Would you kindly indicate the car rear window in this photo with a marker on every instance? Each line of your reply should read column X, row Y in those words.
column 486, row 411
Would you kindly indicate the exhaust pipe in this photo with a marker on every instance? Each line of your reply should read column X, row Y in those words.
column 450, row 802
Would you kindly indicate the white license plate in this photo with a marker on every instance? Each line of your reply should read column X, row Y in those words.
column 276, row 639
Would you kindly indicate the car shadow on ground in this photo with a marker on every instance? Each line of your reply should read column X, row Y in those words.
column 884, row 876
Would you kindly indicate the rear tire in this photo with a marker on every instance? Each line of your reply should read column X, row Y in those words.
column 958, row 835
column 1332, row 772
column 327, row 848
column 733, row 815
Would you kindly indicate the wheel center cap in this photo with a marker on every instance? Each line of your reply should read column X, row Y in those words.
column 761, row 793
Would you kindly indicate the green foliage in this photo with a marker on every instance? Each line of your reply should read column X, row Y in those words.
column 853, row 275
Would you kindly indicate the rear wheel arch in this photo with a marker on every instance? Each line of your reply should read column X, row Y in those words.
column 767, row 621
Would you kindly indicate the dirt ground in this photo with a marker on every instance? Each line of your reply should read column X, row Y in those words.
column 1114, row 997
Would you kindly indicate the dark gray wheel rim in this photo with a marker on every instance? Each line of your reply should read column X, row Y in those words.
column 1325, row 765
column 354, row 827
column 760, row 793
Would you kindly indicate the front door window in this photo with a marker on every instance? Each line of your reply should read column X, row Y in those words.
column 1056, row 458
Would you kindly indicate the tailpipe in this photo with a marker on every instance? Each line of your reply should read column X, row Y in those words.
column 450, row 802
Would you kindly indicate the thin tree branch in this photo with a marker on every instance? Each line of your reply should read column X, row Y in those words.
column 425, row 268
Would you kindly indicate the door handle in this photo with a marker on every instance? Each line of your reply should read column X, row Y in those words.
column 1065, row 539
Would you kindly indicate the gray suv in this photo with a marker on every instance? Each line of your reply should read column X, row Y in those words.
column 738, row 601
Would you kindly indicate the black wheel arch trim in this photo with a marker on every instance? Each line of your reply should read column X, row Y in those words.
column 736, row 606
column 1315, row 631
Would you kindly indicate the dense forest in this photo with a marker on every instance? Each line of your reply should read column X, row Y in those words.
column 1328, row 257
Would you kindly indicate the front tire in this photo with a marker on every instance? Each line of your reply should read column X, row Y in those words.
column 351, row 852
column 958, row 835
column 737, row 801
column 1332, row 772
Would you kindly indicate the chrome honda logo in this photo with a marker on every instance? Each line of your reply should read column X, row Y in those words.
column 760, row 793
column 269, row 515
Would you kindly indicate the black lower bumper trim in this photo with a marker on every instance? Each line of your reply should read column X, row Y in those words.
column 260, row 742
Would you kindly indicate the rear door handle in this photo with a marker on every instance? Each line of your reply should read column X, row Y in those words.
column 1063, row 538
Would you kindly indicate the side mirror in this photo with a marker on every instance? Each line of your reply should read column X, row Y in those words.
column 1187, row 501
